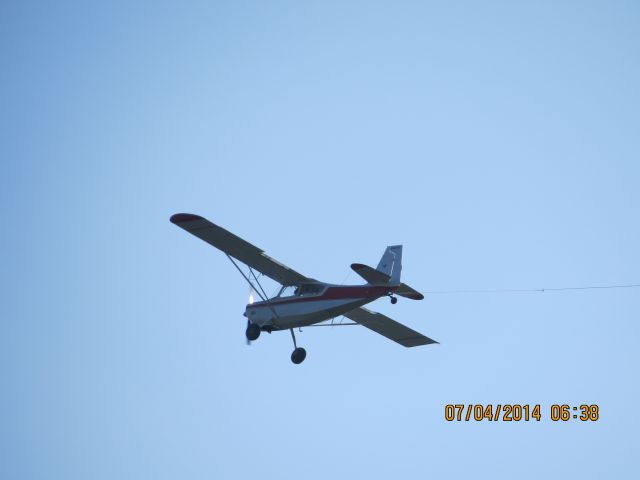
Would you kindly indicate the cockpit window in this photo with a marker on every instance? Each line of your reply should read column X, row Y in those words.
column 287, row 290
column 308, row 290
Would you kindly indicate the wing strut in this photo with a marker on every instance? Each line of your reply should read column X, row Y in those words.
column 259, row 284
column 262, row 295
column 344, row 324
column 247, row 279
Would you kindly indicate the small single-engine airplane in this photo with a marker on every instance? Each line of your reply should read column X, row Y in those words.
column 312, row 302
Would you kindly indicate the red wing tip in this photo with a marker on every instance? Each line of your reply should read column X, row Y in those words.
column 357, row 266
column 184, row 217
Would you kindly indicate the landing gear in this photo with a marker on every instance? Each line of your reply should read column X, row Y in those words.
column 299, row 354
column 253, row 332
column 394, row 300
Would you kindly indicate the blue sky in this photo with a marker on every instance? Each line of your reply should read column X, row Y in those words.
column 496, row 141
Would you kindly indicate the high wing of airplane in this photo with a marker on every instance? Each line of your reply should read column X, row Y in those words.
column 312, row 301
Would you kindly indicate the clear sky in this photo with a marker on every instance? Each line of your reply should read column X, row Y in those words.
column 497, row 141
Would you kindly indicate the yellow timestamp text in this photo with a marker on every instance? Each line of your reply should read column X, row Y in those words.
column 516, row 412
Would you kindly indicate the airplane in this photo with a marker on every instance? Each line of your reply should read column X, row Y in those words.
column 312, row 302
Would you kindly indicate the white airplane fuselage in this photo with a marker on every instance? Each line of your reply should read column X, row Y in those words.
column 315, row 303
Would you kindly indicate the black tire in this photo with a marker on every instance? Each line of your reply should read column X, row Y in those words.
column 298, row 355
column 253, row 332
column 394, row 300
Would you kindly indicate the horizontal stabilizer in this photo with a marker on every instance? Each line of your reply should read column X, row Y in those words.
column 375, row 277
column 386, row 327
column 406, row 291
column 370, row 274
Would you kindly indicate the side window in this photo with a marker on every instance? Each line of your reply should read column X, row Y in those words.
column 310, row 289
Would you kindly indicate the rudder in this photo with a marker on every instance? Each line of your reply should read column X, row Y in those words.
column 391, row 263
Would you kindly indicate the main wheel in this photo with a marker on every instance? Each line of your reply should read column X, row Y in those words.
column 298, row 355
column 253, row 332
column 394, row 300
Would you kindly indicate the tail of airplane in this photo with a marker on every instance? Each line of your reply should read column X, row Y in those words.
column 391, row 264
column 388, row 272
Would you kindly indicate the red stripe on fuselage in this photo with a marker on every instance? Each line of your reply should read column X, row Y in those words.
column 332, row 293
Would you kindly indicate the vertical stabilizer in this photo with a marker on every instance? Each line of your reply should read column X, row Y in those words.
column 391, row 263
